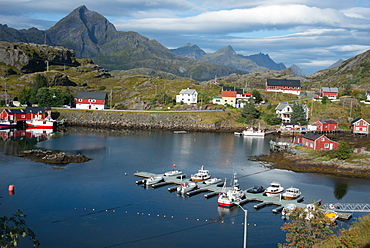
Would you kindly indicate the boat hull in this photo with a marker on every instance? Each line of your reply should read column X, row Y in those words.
column 289, row 198
column 273, row 194
column 199, row 179
column 40, row 124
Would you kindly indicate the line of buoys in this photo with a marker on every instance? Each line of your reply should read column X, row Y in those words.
column 11, row 189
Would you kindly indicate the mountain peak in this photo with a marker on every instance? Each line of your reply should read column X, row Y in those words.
column 226, row 50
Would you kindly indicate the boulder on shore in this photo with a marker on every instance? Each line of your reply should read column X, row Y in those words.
column 52, row 157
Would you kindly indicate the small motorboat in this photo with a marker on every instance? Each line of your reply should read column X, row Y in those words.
column 212, row 181
column 5, row 124
column 153, row 180
column 291, row 194
column 201, row 175
column 274, row 189
column 332, row 215
column 186, row 187
column 288, row 209
column 172, row 173
column 256, row 189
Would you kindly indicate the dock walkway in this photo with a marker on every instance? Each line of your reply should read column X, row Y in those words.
column 214, row 189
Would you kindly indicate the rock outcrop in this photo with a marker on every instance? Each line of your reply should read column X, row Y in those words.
column 53, row 157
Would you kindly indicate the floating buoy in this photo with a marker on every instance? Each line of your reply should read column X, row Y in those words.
column 11, row 189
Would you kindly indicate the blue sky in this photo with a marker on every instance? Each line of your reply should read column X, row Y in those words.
column 307, row 33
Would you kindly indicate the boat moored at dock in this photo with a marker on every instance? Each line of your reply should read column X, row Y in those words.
column 186, row 187
column 274, row 189
column 201, row 175
column 291, row 194
column 231, row 197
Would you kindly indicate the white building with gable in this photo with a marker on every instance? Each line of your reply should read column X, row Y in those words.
column 187, row 96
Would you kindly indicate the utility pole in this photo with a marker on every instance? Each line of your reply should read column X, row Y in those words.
column 47, row 65
column 245, row 225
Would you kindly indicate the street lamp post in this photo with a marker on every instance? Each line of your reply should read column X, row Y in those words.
column 245, row 225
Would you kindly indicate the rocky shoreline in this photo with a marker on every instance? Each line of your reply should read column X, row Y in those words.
column 298, row 163
column 52, row 157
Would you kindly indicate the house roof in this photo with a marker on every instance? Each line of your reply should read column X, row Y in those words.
column 282, row 105
column 312, row 136
column 328, row 122
column 228, row 88
column 36, row 109
column 91, row 95
column 228, row 93
column 329, row 89
column 283, row 82
column 188, row 91
column 357, row 119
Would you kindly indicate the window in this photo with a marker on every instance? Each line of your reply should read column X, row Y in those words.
column 80, row 100
column 322, row 139
column 326, row 145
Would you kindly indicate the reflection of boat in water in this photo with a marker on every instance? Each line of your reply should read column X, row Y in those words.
column 232, row 196
column 186, row 187
column 274, row 189
column 201, row 175
column 5, row 124
column 28, row 134
column 291, row 194
column 153, row 180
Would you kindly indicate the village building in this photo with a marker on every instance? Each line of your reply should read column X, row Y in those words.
column 187, row 96
column 91, row 100
column 285, row 110
column 326, row 126
column 232, row 96
column 368, row 95
column 359, row 126
column 29, row 113
column 329, row 92
column 316, row 141
column 284, row 86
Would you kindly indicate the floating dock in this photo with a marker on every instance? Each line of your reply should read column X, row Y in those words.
column 215, row 189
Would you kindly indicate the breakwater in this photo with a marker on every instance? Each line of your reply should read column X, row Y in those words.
column 189, row 121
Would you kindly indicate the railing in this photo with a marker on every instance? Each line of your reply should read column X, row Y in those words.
column 349, row 207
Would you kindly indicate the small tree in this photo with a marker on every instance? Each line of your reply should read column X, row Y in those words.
column 325, row 100
column 249, row 113
column 298, row 115
column 306, row 228
column 273, row 119
column 257, row 96
column 343, row 152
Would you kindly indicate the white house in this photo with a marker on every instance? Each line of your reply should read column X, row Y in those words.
column 285, row 110
column 187, row 96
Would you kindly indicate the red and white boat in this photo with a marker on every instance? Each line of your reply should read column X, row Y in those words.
column 231, row 197
column 41, row 123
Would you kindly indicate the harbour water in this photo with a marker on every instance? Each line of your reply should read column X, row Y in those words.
column 98, row 204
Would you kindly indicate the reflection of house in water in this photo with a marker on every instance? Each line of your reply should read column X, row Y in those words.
column 29, row 134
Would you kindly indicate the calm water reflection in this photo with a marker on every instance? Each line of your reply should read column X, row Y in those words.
column 98, row 204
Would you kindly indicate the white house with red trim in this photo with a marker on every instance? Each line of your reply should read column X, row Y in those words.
column 91, row 100
column 284, row 86
column 359, row 126
column 187, row 96
column 284, row 110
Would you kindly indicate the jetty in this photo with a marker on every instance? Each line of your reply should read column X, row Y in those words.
column 212, row 190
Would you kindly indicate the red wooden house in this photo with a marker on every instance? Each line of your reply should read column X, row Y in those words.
column 284, row 86
column 91, row 100
column 326, row 126
column 316, row 141
column 330, row 92
column 359, row 126
column 28, row 113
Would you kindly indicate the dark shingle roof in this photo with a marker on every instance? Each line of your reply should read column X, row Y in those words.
column 312, row 136
column 91, row 95
column 284, row 82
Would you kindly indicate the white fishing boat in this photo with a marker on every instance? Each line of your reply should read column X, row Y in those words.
column 212, row 180
column 231, row 197
column 186, row 187
column 201, row 175
column 274, row 189
column 172, row 173
column 254, row 132
column 153, row 180
column 291, row 194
